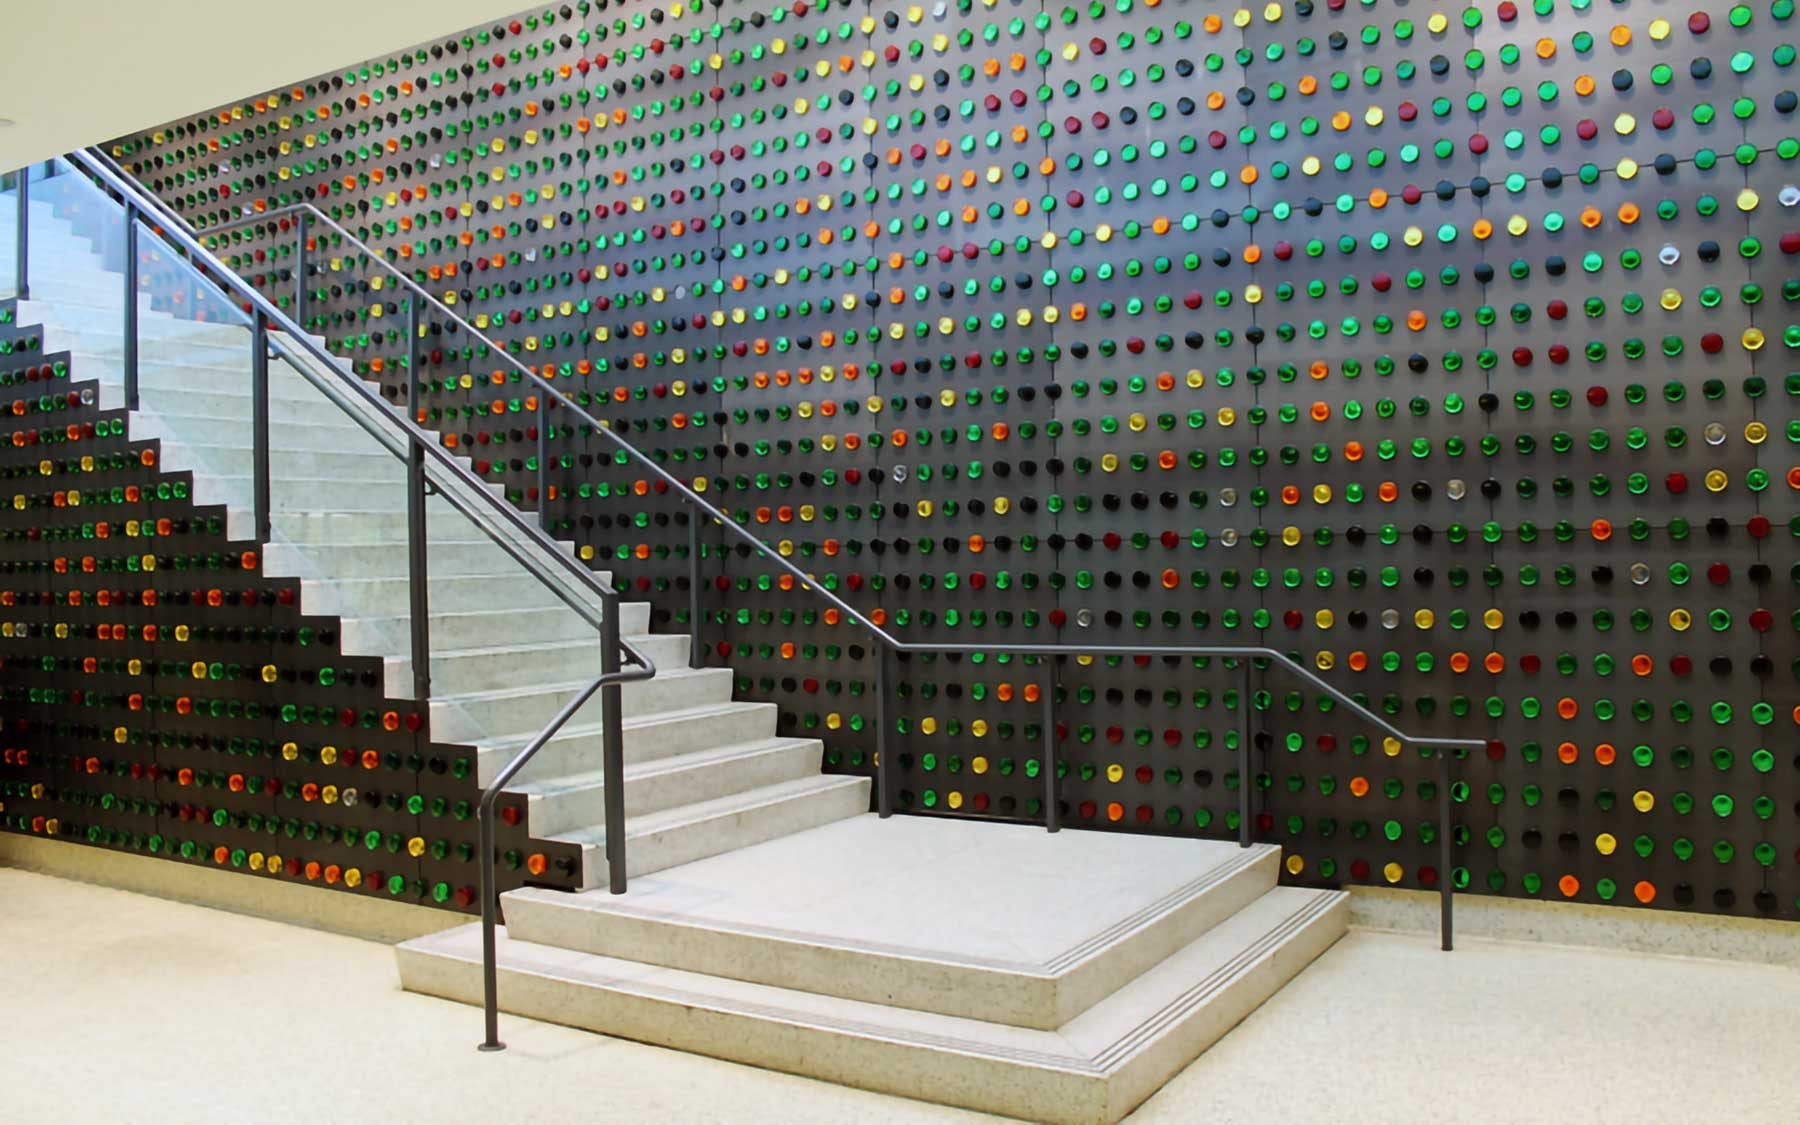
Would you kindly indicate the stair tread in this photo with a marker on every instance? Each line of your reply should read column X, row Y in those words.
column 651, row 823
column 693, row 759
column 653, row 718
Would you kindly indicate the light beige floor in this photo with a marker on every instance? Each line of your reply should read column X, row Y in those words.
column 120, row 1008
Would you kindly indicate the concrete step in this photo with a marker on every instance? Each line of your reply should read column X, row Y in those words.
column 1094, row 1069
column 700, row 920
column 443, row 523
column 389, row 597
column 72, row 310
column 470, row 717
column 227, row 440
column 176, row 419
column 707, row 828
column 304, row 494
column 164, row 381
column 66, row 301
column 525, row 662
column 577, row 748
column 158, row 338
column 471, row 553
column 353, row 457
column 566, row 804
column 234, row 407
column 456, row 629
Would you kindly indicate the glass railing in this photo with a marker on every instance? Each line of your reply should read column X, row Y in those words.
column 319, row 466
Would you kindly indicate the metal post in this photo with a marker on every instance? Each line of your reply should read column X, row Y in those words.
column 300, row 274
column 21, row 271
column 612, row 752
column 543, row 461
column 490, row 906
column 1244, row 778
column 696, row 646
column 417, row 562
column 1444, row 842
column 884, row 776
column 130, row 350
column 259, row 424
column 1052, row 804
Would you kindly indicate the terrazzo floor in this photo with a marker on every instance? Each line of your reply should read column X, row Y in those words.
column 123, row 1008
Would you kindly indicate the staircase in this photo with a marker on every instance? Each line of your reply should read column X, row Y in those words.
column 704, row 773
column 771, row 920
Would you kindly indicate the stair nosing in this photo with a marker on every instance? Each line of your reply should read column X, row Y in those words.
column 1304, row 913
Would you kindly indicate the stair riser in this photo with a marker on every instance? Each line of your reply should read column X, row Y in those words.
column 299, row 495
column 229, row 430
column 390, row 561
column 225, row 441
column 470, row 720
column 233, row 410
column 689, row 842
column 451, row 674
column 571, row 809
column 443, row 524
column 646, row 742
column 158, row 342
column 168, row 384
column 78, row 305
column 364, row 461
column 391, row 597
column 470, row 630
column 1018, row 997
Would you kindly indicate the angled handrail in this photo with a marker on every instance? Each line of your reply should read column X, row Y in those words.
column 703, row 509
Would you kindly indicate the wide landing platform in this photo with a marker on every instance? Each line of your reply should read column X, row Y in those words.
column 1056, row 977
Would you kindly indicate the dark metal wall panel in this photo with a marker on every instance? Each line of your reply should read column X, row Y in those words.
column 1430, row 343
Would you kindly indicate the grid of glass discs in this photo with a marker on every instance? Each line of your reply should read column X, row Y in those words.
column 162, row 697
column 1443, row 346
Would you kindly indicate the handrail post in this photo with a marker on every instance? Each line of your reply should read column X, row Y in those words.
column 129, row 350
column 259, row 424
column 22, row 251
column 300, row 273
column 1244, row 739
column 490, row 907
column 884, row 774
column 417, row 561
column 612, row 750
column 1445, row 921
column 1052, row 803
column 696, row 646
column 543, row 460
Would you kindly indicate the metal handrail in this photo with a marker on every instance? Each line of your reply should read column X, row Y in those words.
column 888, row 642
column 265, row 319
